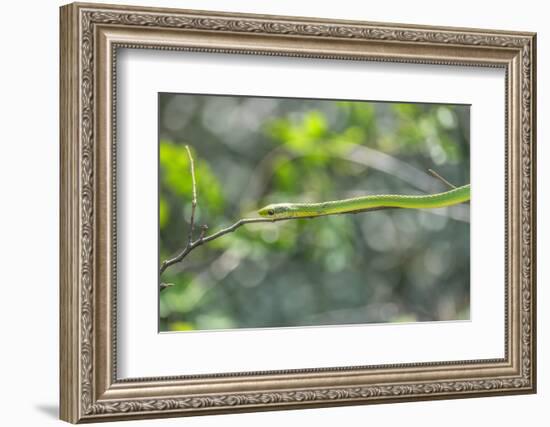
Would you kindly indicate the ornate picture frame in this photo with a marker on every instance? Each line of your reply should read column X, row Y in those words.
column 90, row 37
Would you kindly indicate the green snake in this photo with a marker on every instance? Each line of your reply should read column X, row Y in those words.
column 366, row 203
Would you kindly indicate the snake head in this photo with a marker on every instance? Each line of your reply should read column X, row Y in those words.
column 275, row 211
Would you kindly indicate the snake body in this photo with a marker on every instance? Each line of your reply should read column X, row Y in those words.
column 365, row 203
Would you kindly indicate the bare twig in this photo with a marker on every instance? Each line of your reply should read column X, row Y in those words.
column 203, row 231
column 202, row 239
column 443, row 180
column 194, row 200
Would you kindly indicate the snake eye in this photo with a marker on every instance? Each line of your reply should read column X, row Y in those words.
column 271, row 212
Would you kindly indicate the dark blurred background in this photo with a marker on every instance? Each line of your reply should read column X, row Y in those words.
column 385, row 266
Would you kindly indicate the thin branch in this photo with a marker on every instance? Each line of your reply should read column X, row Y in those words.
column 194, row 200
column 201, row 240
column 245, row 221
column 189, row 245
column 204, row 228
column 205, row 239
column 443, row 180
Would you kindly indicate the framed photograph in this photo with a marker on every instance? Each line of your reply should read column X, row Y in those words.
column 266, row 212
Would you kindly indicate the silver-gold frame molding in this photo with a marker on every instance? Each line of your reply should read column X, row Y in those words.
column 90, row 37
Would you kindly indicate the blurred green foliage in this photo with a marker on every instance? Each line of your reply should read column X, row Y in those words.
column 384, row 266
